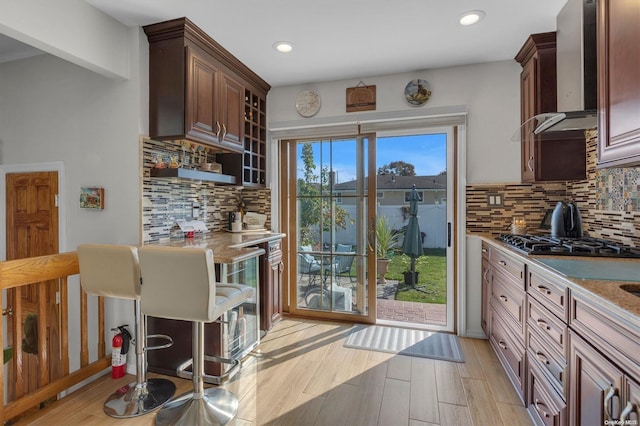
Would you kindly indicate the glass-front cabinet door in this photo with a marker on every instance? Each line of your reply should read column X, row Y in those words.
column 329, row 197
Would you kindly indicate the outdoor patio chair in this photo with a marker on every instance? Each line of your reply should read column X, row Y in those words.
column 342, row 264
column 308, row 265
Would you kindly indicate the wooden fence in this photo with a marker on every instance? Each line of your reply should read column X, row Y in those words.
column 45, row 271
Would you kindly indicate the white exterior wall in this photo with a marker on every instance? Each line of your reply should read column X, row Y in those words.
column 432, row 219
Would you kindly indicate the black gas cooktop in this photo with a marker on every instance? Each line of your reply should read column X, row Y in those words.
column 584, row 246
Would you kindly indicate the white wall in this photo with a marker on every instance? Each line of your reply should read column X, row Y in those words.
column 69, row 29
column 52, row 110
column 490, row 91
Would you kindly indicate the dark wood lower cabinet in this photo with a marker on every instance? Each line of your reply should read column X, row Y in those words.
column 578, row 363
column 486, row 293
column 595, row 385
column 544, row 405
column 510, row 353
column 271, row 269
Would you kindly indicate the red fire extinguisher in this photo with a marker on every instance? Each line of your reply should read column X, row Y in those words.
column 119, row 349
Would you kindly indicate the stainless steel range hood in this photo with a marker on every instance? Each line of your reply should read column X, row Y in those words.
column 576, row 57
column 558, row 125
column 576, row 75
column 565, row 121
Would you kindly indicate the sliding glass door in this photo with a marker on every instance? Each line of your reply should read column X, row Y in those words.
column 331, row 199
column 419, row 289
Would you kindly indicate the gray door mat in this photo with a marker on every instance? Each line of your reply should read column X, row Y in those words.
column 405, row 341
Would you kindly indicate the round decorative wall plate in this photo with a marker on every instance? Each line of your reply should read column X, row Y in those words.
column 417, row 92
column 308, row 103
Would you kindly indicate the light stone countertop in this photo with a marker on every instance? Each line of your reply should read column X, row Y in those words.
column 228, row 247
column 607, row 292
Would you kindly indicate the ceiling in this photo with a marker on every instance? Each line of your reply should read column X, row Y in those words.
column 343, row 39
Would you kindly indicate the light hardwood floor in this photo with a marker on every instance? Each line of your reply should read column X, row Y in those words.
column 302, row 375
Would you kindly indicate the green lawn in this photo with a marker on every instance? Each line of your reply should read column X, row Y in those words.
column 432, row 267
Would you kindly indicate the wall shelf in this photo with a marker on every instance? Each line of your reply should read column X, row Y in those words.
column 193, row 175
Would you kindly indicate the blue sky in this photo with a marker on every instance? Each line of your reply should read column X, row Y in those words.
column 427, row 153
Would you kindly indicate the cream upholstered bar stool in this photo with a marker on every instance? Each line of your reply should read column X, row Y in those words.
column 180, row 283
column 113, row 271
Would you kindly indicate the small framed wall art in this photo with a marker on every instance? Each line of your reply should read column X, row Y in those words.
column 92, row 198
column 361, row 98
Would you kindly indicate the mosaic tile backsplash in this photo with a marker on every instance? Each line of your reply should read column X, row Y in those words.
column 166, row 200
column 618, row 189
column 520, row 201
column 609, row 201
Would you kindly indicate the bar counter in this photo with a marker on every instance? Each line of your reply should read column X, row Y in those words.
column 246, row 258
column 228, row 247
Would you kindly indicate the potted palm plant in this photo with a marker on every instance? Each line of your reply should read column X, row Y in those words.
column 386, row 240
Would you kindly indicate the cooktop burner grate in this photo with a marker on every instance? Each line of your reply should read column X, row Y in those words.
column 585, row 246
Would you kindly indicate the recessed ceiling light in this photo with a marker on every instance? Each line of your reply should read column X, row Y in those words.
column 471, row 17
column 283, row 46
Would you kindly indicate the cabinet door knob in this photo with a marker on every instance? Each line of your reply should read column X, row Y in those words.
column 502, row 344
column 218, row 130
column 538, row 404
column 543, row 359
column 503, row 263
column 542, row 324
column 503, row 298
column 544, row 290
column 529, row 164
column 224, row 131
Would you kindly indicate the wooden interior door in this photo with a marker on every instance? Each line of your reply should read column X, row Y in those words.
column 32, row 230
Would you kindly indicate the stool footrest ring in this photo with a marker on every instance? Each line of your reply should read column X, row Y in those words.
column 181, row 371
column 159, row 336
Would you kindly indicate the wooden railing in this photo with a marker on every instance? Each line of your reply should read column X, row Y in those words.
column 45, row 271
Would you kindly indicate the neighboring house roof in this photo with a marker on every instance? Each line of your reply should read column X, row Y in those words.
column 393, row 182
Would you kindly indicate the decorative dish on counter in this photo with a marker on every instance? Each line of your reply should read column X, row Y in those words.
column 254, row 221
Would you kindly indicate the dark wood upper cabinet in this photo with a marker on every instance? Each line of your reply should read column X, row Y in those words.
column 198, row 90
column 618, row 29
column 251, row 167
column 545, row 159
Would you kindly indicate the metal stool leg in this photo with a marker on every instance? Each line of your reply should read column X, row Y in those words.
column 141, row 396
column 213, row 406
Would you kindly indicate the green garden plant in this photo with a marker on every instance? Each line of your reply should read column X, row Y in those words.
column 386, row 238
